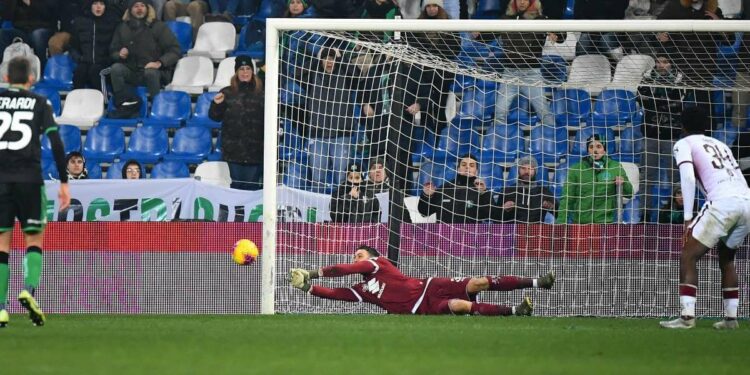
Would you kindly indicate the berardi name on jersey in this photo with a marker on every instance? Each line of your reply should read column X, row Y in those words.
column 17, row 103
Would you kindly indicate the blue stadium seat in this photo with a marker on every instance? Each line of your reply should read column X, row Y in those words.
column 548, row 144
column 579, row 143
column 554, row 69
column 520, row 112
column 630, row 146
column 559, row 179
column 94, row 170
column 454, row 143
column 148, row 144
column 493, row 175
column 252, row 39
column 488, row 9
column 424, row 144
column 49, row 170
column 501, row 144
column 269, row 9
column 215, row 154
column 291, row 93
column 570, row 6
column 614, row 107
column 478, row 101
column 58, row 73
column 170, row 109
column 71, row 138
column 631, row 212
column 170, row 169
column 114, row 171
column 200, row 117
column 292, row 146
column 659, row 195
column 571, row 107
column 103, row 144
column 53, row 96
column 478, row 54
column 437, row 173
column 296, row 176
column 726, row 133
column 183, row 31
column 190, row 145
column 142, row 93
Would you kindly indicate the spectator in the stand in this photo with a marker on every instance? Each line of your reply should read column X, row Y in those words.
column 694, row 48
column 67, row 12
column 526, row 201
column 89, row 45
column 296, row 8
column 377, row 178
column 352, row 201
column 239, row 107
column 590, row 193
column 337, row 8
column 463, row 200
column 144, row 49
column 521, row 61
column 330, row 112
column 195, row 9
column 600, row 43
column 380, row 10
column 661, row 101
column 639, row 9
column 34, row 21
column 76, row 166
column 673, row 212
column 132, row 170
column 434, row 83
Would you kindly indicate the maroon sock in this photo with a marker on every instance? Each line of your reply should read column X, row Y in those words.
column 509, row 282
column 489, row 309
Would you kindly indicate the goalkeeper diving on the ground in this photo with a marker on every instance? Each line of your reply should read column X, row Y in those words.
column 386, row 287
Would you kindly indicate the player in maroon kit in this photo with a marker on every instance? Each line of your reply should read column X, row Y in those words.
column 385, row 286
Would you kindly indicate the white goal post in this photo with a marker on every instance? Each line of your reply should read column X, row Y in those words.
column 626, row 278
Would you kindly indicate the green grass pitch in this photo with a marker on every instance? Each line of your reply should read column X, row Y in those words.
column 365, row 344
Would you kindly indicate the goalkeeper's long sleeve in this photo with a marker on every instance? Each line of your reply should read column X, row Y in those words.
column 338, row 270
column 338, row 294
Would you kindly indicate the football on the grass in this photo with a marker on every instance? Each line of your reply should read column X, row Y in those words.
column 245, row 252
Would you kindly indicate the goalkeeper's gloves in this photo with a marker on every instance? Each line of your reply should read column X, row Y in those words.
column 311, row 274
column 300, row 279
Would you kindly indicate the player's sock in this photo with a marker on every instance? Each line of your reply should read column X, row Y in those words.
column 489, row 309
column 4, row 279
column 687, row 300
column 509, row 282
column 32, row 268
column 731, row 300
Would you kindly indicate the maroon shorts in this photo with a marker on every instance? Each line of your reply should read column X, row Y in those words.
column 440, row 291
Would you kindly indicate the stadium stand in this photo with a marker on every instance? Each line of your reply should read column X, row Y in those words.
column 83, row 108
column 214, row 40
column 170, row 169
column 169, row 109
column 103, row 144
column 147, row 144
column 190, row 145
column 192, row 75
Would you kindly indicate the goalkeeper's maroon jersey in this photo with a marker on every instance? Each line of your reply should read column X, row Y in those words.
column 383, row 285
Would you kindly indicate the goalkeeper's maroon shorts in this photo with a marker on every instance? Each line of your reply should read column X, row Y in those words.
column 440, row 291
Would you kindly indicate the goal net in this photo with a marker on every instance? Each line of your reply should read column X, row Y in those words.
column 470, row 148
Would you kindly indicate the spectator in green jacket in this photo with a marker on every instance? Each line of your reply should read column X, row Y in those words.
column 590, row 192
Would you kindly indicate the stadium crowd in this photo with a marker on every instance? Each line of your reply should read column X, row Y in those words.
column 338, row 100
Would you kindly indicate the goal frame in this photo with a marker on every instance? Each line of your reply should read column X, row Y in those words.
column 276, row 25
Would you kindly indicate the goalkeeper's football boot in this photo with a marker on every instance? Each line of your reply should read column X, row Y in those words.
column 525, row 308
column 727, row 324
column 678, row 323
column 29, row 303
column 546, row 281
column 4, row 318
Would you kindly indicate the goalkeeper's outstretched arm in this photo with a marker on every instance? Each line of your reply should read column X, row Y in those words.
column 339, row 270
column 300, row 280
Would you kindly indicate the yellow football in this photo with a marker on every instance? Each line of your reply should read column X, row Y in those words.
column 245, row 252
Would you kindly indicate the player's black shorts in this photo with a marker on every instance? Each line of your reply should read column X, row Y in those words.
column 25, row 201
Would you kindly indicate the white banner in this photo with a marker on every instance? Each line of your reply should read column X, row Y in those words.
column 184, row 199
